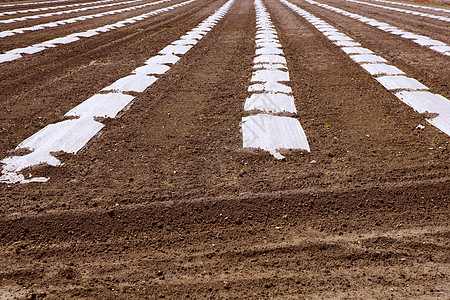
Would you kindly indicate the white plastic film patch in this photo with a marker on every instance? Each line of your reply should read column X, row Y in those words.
column 400, row 82
column 185, row 42
column 270, row 59
column 151, row 69
column 27, row 50
column 271, row 44
column 273, row 133
column 423, row 41
column 347, row 44
column 382, row 69
column 131, row 83
column 101, row 105
column 270, row 76
column 268, row 102
column 356, row 50
column 367, row 58
column 269, row 50
column 69, row 136
column 426, row 102
column 163, row 59
column 176, row 49
column 9, row 57
column 338, row 37
column 270, row 67
column 270, row 87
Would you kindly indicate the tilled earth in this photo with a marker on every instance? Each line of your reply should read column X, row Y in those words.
column 165, row 203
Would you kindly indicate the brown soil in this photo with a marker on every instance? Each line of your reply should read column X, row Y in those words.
column 159, row 205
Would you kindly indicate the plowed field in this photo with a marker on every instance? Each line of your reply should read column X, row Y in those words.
column 177, row 194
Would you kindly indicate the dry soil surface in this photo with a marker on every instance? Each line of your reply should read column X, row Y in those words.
column 167, row 204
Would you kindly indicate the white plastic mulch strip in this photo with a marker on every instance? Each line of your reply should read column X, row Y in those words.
column 32, row 10
column 62, row 12
column 16, row 31
column 17, row 53
column 408, row 90
column 415, row 6
column 33, row 3
column 411, row 12
column 270, row 95
column 421, row 40
column 72, row 135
